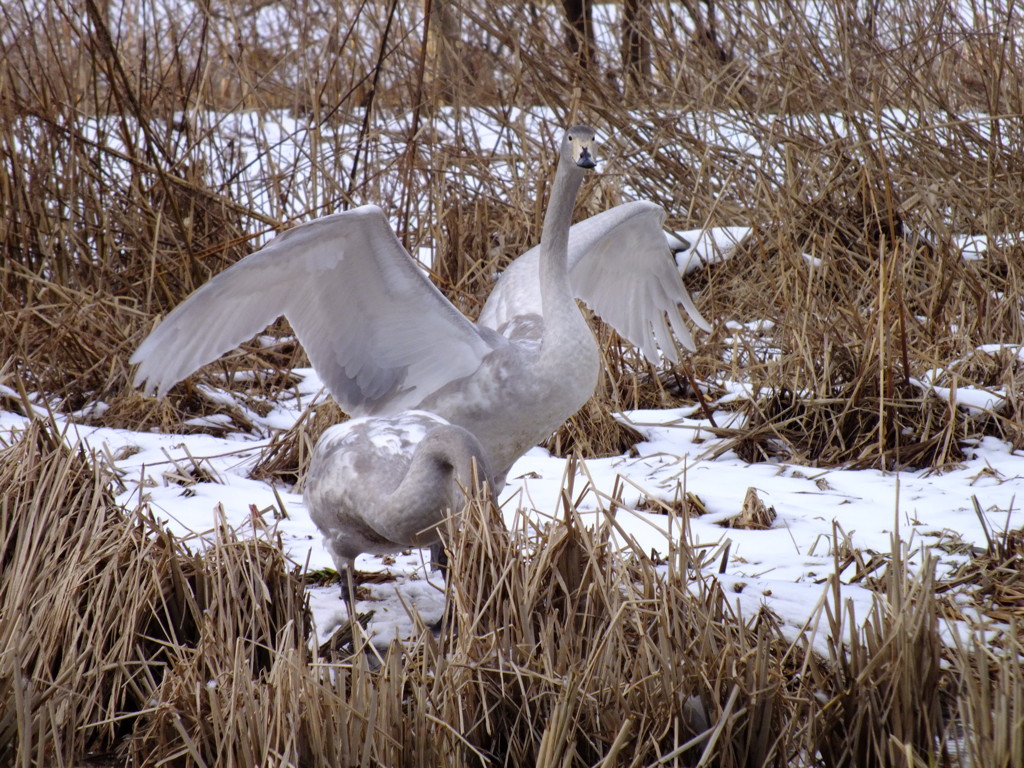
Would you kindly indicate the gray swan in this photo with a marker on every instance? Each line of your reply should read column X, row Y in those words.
column 382, row 484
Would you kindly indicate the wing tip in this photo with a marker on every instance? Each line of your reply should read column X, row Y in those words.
column 691, row 309
column 149, row 380
column 145, row 384
column 367, row 209
column 699, row 321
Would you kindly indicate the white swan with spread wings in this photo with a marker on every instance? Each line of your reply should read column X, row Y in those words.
column 384, row 339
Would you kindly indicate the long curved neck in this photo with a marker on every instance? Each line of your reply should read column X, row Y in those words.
column 561, row 314
column 427, row 494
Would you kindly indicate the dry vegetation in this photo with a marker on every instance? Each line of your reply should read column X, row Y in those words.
column 122, row 646
column 868, row 150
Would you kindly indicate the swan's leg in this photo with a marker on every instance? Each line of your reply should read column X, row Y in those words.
column 345, row 566
column 346, row 631
column 439, row 562
column 348, row 590
column 439, row 558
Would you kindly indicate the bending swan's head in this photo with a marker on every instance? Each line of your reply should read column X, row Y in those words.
column 579, row 146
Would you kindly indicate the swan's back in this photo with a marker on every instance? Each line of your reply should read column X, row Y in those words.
column 362, row 495
column 367, row 454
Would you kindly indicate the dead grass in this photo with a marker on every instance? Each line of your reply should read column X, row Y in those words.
column 100, row 603
column 872, row 152
column 122, row 646
column 130, row 173
column 287, row 457
column 994, row 576
column 592, row 432
column 754, row 514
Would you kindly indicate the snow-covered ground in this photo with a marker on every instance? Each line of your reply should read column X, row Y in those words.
column 194, row 481
column 782, row 567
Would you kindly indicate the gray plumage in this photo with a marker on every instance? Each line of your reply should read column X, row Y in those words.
column 386, row 483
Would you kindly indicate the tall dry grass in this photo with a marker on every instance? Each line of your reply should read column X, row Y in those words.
column 143, row 149
column 100, row 605
column 123, row 647
column 857, row 142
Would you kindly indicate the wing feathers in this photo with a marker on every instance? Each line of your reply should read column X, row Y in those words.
column 371, row 322
column 622, row 267
column 380, row 334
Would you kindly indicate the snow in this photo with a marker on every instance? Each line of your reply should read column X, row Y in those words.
column 976, row 400
column 709, row 246
column 191, row 480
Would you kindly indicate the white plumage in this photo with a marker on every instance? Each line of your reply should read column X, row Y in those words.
column 386, row 341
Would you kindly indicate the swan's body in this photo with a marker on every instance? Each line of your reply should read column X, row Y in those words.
column 385, row 340
column 383, row 484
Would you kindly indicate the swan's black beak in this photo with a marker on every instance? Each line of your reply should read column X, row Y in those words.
column 580, row 141
column 586, row 160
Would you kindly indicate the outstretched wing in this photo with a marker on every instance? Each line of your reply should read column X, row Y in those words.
column 377, row 331
column 621, row 265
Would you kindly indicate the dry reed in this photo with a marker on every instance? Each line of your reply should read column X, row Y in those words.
column 123, row 647
column 124, row 187
column 141, row 153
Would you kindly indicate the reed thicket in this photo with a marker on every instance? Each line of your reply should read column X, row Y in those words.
column 145, row 146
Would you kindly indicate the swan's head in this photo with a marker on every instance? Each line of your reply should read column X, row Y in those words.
column 452, row 450
column 579, row 146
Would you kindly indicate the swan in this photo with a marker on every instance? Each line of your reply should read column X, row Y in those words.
column 382, row 484
column 384, row 339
